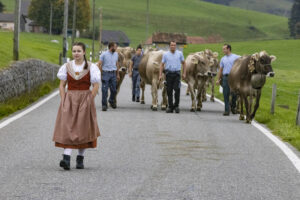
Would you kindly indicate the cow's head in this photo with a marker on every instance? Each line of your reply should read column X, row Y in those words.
column 121, row 62
column 202, row 64
column 213, row 56
column 260, row 63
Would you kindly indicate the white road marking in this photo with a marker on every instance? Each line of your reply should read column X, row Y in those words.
column 28, row 110
column 282, row 146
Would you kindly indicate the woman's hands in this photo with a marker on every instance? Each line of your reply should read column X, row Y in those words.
column 95, row 90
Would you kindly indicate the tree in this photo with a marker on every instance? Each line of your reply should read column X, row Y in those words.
column 297, row 30
column 295, row 17
column 39, row 11
column 1, row 7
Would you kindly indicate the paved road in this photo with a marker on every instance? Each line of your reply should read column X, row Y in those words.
column 147, row 155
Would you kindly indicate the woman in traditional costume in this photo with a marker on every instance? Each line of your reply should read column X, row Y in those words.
column 76, row 123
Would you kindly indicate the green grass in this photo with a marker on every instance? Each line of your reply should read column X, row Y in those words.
column 194, row 17
column 17, row 103
column 35, row 46
column 287, row 78
column 279, row 7
column 191, row 17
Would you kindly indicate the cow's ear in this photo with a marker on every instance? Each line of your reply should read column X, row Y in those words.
column 273, row 58
column 194, row 61
column 197, row 58
column 255, row 56
column 215, row 54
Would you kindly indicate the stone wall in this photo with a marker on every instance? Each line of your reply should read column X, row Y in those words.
column 23, row 76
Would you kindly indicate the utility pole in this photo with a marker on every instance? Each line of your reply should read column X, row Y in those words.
column 100, row 29
column 147, row 20
column 51, row 16
column 65, row 31
column 17, row 29
column 93, row 45
column 74, row 22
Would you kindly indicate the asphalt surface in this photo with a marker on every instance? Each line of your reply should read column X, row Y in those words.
column 143, row 154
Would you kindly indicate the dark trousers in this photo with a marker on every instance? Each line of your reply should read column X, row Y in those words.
column 109, row 80
column 173, row 83
column 226, row 94
column 136, row 83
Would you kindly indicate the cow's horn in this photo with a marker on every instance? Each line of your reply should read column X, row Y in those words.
column 255, row 56
column 216, row 54
column 273, row 58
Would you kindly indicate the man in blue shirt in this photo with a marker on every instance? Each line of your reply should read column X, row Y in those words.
column 225, row 68
column 171, row 63
column 109, row 68
column 134, row 73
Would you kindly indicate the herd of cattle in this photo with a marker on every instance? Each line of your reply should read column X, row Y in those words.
column 246, row 79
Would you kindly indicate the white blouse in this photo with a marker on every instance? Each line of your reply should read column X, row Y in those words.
column 94, row 71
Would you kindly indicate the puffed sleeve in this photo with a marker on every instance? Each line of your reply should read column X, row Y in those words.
column 62, row 72
column 95, row 74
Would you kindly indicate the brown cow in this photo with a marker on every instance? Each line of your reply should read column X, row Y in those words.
column 197, row 71
column 211, row 78
column 247, row 77
column 122, row 72
column 149, row 72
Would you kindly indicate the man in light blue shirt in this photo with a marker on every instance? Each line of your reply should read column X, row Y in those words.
column 225, row 67
column 109, row 68
column 171, row 63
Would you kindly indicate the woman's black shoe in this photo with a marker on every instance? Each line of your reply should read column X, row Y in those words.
column 65, row 162
column 79, row 162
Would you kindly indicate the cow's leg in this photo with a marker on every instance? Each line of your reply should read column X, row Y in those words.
column 201, row 86
column 142, row 85
column 258, row 95
column 187, row 91
column 164, row 102
column 240, row 103
column 203, row 94
column 212, row 81
column 118, row 89
column 191, row 85
column 247, row 109
column 250, row 106
column 154, row 94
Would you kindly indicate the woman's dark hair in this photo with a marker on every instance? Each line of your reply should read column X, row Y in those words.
column 139, row 47
column 228, row 46
column 82, row 45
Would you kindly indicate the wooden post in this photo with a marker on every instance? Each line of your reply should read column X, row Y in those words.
column 147, row 20
column 51, row 17
column 298, row 112
column 93, row 45
column 17, row 29
column 273, row 99
column 100, row 30
column 65, row 31
column 74, row 22
column 60, row 58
